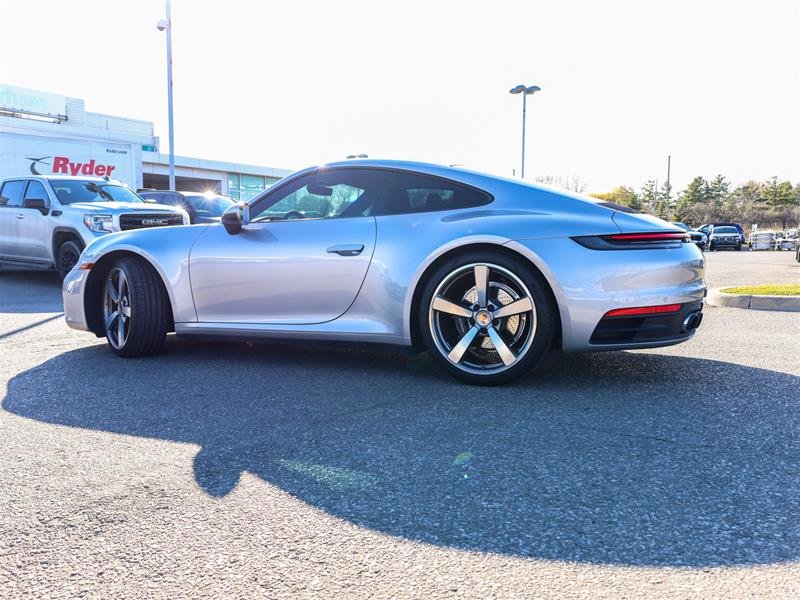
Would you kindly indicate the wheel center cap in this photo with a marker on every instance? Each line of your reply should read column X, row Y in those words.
column 483, row 318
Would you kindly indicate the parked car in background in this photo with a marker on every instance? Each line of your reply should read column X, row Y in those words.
column 47, row 221
column 788, row 241
column 698, row 237
column 724, row 236
column 706, row 228
column 202, row 207
column 486, row 273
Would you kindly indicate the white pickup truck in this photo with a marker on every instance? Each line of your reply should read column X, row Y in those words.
column 46, row 221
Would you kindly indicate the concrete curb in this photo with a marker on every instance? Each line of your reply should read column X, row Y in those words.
column 782, row 303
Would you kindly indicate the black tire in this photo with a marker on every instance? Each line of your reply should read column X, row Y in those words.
column 67, row 257
column 148, row 321
column 543, row 322
column 738, row 247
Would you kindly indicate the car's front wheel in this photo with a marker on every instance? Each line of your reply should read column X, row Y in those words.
column 487, row 318
column 135, row 310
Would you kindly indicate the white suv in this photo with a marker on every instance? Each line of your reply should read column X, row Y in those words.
column 47, row 221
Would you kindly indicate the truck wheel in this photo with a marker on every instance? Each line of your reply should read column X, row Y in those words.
column 68, row 254
column 135, row 309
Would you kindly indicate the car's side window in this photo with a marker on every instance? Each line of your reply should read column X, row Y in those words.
column 36, row 191
column 325, row 194
column 11, row 194
column 412, row 193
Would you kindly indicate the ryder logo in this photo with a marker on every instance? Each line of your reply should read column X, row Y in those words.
column 35, row 161
column 62, row 164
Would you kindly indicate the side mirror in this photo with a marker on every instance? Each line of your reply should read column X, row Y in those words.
column 36, row 204
column 235, row 217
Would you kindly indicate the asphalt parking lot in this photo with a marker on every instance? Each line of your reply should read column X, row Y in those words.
column 242, row 470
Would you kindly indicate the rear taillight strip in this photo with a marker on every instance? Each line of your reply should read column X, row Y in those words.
column 642, row 240
column 648, row 237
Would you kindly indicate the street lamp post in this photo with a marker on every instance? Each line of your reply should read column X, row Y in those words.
column 166, row 24
column 525, row 91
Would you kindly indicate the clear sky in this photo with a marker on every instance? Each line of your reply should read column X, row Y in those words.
column 715, row 84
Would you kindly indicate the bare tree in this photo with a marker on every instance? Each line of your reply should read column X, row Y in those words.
column 572, row 183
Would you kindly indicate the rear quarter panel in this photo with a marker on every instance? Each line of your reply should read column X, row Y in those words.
column 408, row 244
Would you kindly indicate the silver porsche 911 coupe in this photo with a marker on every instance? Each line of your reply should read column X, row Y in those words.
column 487, row 274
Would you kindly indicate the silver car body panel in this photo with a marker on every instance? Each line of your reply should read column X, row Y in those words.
column 281, row 272
column 278, row 279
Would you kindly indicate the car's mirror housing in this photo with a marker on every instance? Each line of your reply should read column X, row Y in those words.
column 37, row 204
column 236, row 217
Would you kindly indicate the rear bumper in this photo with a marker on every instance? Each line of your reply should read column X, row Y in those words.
column 589, row 283
column 658, row 330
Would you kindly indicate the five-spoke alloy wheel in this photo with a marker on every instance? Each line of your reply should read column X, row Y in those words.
column 487, row 318
column 135, row 305
column 117, row 308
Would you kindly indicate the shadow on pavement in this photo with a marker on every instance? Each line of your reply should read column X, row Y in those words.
column 621, row 458
column 30, row 291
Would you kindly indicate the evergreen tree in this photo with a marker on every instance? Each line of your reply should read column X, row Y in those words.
column 778, row 194
column 649, row 196
column 695, row 193
column 663, row 207
column 718, row 190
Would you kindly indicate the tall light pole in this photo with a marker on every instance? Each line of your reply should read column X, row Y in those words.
column 166, row 24
column 525, row 91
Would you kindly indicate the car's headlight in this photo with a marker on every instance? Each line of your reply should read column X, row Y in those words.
column 99, row 223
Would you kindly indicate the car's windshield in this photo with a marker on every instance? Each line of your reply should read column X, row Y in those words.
column 70, row 191
column 208, row 205
column 725, row 230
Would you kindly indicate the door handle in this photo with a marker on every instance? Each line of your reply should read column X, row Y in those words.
column 346, row 249
column 20, row 216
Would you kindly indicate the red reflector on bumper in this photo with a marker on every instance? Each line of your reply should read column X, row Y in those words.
column 643, row 310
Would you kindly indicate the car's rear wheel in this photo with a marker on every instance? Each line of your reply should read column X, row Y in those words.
column 67, row 257
column 487, row 318
column 135, row 310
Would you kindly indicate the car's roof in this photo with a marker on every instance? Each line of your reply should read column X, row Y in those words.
column 410, row 165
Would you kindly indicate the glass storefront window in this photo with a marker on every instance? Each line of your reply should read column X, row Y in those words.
column 233, row 186
column 246, row 187
column 251, row 186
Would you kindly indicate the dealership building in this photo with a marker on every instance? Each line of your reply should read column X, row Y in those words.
column 45, row 133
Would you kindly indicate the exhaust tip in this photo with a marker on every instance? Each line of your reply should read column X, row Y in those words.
column 691, row 322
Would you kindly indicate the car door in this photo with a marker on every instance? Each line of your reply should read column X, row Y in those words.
column 11, row 195
column 301, row 259
column 34, row 227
